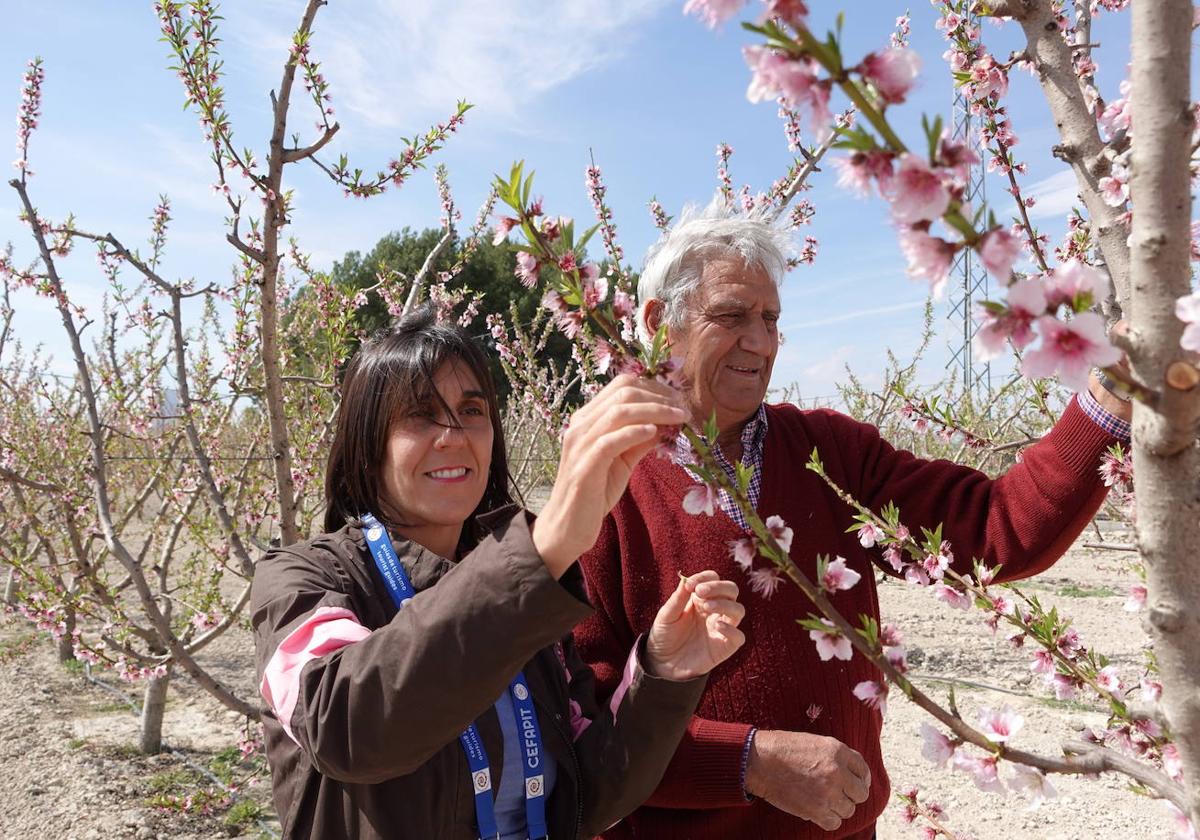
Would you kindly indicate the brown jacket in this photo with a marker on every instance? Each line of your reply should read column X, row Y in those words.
column 376, row 722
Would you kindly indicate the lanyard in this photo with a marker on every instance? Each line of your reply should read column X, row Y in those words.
column 529, row 735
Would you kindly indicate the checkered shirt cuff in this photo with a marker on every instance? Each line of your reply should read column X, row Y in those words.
column 1109, row 422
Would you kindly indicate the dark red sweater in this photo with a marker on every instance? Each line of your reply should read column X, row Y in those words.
column 1025, row 520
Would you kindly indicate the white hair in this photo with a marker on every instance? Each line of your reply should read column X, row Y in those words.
column 675, row 263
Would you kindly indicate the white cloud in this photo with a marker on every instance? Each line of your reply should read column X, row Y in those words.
column 393, row 62
column 1055, row 195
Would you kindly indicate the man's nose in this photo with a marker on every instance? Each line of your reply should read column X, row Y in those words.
column 756, row 338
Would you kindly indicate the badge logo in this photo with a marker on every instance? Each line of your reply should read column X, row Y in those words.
column 521, row 692
column 483, row 781
column 533, row 787
column 374, row 533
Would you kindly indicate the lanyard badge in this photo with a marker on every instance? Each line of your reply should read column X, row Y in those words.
column 529, row 735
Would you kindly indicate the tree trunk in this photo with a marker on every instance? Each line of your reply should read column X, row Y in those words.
column 1165, row 452
column 66, row 642
column 154, row 703
column 10, row 588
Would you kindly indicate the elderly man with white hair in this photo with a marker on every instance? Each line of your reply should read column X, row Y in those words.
column 779, row 746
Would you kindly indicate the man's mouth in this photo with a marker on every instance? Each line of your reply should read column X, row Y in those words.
column 743, row 370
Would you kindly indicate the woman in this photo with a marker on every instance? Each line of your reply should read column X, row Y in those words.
column 417, row 667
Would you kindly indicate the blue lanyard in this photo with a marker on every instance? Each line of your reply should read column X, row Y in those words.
column 401, row 590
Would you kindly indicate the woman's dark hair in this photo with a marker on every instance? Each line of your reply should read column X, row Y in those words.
column 389, row 375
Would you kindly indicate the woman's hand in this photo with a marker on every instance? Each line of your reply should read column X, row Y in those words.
column 606, row 439
column 696, row 629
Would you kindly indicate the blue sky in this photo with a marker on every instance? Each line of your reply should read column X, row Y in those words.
column 646, row 90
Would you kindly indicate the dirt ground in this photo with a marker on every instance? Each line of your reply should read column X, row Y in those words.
column 69, row 770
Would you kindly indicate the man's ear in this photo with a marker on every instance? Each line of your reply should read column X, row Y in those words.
column 653, row 312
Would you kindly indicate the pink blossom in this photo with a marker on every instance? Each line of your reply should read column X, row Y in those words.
column 890, row 635
column 982, row 771
column 1069, row 642
column 1137, row 598
column 897, row 656
column 795, row 80
column 1026, row 301
column 936, row 564
column 895, row 557
column 831, row 644
column 1118, row 113
column 1187, row 309
column 869, row 534
column 700, row 498
column 951, row 596
column 791, row 11
column 780, row 531
column 1114, row 188
column 553, row 301
column 935, row 746
column 914, row 574
column 595, row 287
column 622, row 304
column 1070, row 349
column 1151, row 690
column 1108, row 680
column 743, row 551
column 1172, row 763
column 998, row 250
column 1032, row 781
column 893, row 72
column 917, row 192
column 1064, row 687
column 988, row 79
column 1184, row 830
column 1043, row 662
column 928, row 257
column 713, row 12
column 527, row 269
column 1000, row 724
column 765, row 581
column 838, row 577
column 955, row 153
column 873, row 694
column 859, row 171
column 1073, row 279
column 503, row 226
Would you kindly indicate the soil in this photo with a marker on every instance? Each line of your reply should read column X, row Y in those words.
column 69, row 767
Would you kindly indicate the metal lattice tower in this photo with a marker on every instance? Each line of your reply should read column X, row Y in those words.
column 968, row 282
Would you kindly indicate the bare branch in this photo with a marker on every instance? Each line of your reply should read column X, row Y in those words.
column 292, row 155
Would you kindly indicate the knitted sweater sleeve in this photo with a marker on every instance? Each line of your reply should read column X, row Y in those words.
column 706, row 771
column 1023, row 520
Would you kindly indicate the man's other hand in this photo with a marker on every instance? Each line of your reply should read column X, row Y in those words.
column 814, row 777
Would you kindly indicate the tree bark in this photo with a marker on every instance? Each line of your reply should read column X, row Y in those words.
column 1080, row 146
column 1165, row 451
column 154, row 704
column 65, row 644
column 10, row 588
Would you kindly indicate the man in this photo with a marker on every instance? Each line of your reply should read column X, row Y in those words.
column 779, row 746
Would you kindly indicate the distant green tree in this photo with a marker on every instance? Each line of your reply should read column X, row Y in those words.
column 489, row 270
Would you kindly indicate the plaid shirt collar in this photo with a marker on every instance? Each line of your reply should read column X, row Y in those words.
column 754, row 436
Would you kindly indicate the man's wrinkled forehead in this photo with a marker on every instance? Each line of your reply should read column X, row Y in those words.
column 731, row 282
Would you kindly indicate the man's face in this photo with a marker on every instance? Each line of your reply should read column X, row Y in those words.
column 729, row 341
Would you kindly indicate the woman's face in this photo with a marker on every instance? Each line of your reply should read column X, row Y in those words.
column 436, row 468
